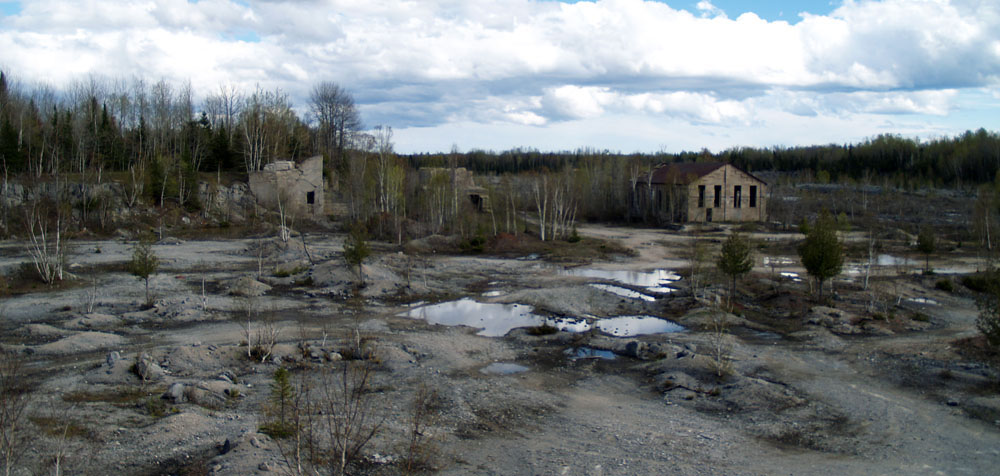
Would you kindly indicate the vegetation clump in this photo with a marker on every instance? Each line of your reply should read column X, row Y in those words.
column 822, row 252
column 735, row 260
column 144, row 263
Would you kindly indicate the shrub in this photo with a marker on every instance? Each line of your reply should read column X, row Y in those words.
column 542, row 330
column 981, row 282
column 574, row 237
column 945, row 285
column 988, row 321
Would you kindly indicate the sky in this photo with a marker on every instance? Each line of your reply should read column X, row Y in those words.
column 619, row 75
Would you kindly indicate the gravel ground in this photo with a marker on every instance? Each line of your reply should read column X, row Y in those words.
column 810, row 401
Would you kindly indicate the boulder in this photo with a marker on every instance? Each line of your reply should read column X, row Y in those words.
column 175, row 393
column 147, row 369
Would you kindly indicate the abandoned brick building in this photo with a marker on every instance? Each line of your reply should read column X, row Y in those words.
column 699, row 192
column 298, row 186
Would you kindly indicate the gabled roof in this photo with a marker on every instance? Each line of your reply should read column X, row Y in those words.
column 686, row 172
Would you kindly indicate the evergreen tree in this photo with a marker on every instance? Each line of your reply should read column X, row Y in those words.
column 735, row 260
column 926, row 243
column 144, row 262
column 822, row 253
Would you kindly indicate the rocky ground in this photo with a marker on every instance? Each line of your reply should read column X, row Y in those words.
column 121, row 388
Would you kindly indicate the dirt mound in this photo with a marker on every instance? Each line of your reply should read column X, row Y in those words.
column 433, row 244
column 379, row 278
column 82, row 342
column 93, row 321
column 246, row 286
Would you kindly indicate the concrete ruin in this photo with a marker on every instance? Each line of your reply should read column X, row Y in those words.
column 298, row 187
column 700, row 192
column 461, row 179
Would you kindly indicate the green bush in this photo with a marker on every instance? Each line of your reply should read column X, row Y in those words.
column 945, row 285
column 542, row 330
column 981, row 282
column 574, row 237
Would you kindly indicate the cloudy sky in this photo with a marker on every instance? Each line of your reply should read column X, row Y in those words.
column 624, row 75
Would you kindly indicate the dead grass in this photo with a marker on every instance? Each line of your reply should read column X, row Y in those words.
column 58, row 427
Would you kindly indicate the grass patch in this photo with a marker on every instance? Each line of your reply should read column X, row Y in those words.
column 920, row 317
column 57, row 427
column 123, row 394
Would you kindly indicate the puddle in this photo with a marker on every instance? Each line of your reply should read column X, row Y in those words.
column 920, row 300
column 792, row 276
column 567, row 324
column 493, row 320
column 628, row 326
column 624, row 292
column 660, row 289
column 890, row 260
column 777, row 261
column 646, row 279
column 493, row 293
column 503, row 368
column 575, row 353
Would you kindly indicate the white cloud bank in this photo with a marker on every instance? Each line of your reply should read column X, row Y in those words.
column 441, row 66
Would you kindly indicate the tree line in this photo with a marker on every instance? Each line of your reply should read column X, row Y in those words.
column 155, row 138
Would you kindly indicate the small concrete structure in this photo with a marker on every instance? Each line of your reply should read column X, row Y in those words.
column 298, row 186
column 463, row 181
column 700, row 192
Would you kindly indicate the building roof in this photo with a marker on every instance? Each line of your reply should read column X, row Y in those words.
column 686, row 172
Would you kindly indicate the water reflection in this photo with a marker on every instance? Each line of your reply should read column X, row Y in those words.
column 589, row 353
column 628, row 326
column 624, row 292
column 646, row 279
column 493, row 320
column 503, row 368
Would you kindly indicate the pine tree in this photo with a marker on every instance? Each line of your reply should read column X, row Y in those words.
column 735, row 260
column 822, row 253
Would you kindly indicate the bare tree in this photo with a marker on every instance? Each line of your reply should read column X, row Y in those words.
column 333, row 107
column 331, row 422
column 13, row 403
column 46, row 227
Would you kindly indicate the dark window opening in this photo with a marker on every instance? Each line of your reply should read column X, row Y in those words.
column 310, row 197
column 708, row 215
column 701, row 196
column 718, row 196
column 737, row 196
column 753, row 196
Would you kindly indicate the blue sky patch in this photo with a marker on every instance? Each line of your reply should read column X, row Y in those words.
column 778, row 10
column 9, row 8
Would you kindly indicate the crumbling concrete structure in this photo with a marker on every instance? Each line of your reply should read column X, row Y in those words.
column 297, row 187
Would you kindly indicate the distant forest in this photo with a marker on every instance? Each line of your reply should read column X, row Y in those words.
column 120, row 124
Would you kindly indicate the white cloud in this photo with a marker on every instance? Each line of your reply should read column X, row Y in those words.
column 528, row 62
column 708, row 10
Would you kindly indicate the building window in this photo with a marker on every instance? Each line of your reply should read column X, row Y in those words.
column 737, row 196
column 701, row 196
column 708, row 215
column 718, row 196
column 310, row 197
column 753, row 196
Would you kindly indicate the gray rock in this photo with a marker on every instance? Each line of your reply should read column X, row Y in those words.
column 147, row 369
column 635, row 349
column 113, row 358
column 175, row 393
column 677, row 380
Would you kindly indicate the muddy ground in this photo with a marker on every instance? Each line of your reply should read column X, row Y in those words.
column 865, row 383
